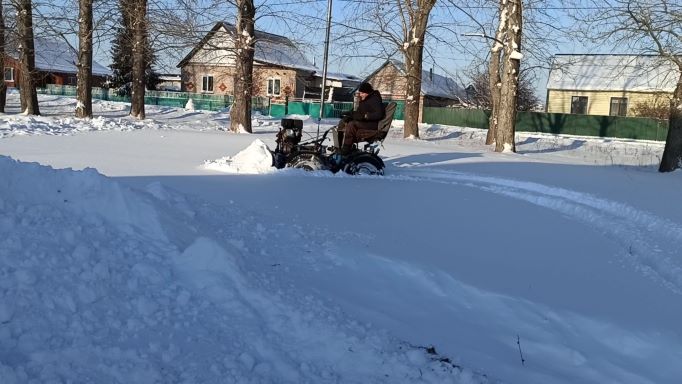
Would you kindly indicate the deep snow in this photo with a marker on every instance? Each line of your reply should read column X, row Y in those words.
column 164, row 251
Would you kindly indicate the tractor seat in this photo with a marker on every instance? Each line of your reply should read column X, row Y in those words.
column 384, row 126
column 382, row 129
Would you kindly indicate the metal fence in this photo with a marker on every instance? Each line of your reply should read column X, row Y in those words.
column 558, row 123
column 331, row 110
column 163, row 98
column 208, row 102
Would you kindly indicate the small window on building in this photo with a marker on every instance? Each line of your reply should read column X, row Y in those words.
column 579, row 105
column 274, row 87
column 9, row 74
column 207, row 84
column 619, row 106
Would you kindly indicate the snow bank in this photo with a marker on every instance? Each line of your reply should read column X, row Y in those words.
column 255, row 159
column 84, row 192
column 89, row 292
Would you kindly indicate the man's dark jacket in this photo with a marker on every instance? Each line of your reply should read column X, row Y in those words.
column 370, row 111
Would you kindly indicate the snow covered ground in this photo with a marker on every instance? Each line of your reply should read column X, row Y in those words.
column 164, row 251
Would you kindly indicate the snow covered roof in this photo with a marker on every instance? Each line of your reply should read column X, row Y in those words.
column 339, row 76
column 270, row 48
column 434, row 84
column 58, row 57
column 643, row 73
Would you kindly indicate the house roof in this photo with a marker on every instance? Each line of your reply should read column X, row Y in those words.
column 270, row 49
column 432, row 83
column 637, row 73
column 339, row 76
column 58, row 57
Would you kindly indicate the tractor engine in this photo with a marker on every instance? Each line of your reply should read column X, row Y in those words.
column 288, row 138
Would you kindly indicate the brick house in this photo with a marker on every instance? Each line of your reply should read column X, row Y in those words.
column 280, row 69
column 55, row 64
column 390, row 80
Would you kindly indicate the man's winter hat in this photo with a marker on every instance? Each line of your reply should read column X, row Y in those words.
column 365, row 88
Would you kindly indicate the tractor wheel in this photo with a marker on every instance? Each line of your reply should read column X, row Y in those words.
column 308, row 162
column 365, row 165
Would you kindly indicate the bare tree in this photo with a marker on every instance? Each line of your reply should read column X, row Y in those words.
column 389, row 27
column 512, row 10
column 3, row 86
column 245, row 43
column 414, row 19
column 29, row 95
column 84, row 64
column 482, row 97
column 645, row 27
column 494, row 78
column 138, row 29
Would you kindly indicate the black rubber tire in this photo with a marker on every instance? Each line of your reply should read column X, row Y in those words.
column 365, row 165
column 308, row 162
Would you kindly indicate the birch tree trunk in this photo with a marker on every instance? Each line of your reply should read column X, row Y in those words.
column 505, row 131
column 415, row 22
column 139, row 34
column 29, row 95
column 672, row 154
column 84, row 86
column 3, row 86
column 240, row 113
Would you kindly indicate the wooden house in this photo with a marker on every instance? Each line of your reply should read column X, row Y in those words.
column 608, row 84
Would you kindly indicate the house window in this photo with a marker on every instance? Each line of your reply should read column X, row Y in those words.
column 9, row 74
column 619, row 106
column 207, row 84
column 579, row 105
column 274, row 88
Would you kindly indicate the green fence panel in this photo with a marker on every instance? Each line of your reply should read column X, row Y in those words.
column 172, row 102
column 332, row 110
column 277, row 110
column 557, row 123
column 473, row 118
column 337, row 108
column 588, row 125
column 219, row 102
column 399, row 109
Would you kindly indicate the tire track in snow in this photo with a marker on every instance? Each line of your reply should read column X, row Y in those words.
column 649, row 241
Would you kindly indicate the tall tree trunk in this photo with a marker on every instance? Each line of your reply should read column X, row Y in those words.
column 240, row 113
column 139, row 33
column 29, row 95
column 495, row 82
column 3, row 86
column 84, row 86
column 413, row 50
column 672, row 154
column 494, row 79
column 413, row 71
column 504, row 135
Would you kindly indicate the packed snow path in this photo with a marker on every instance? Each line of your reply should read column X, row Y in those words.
column 648, row 242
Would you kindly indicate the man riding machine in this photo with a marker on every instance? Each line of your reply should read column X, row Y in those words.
column 368, row 123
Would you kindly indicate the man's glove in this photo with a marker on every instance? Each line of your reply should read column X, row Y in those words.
column 347, row 116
